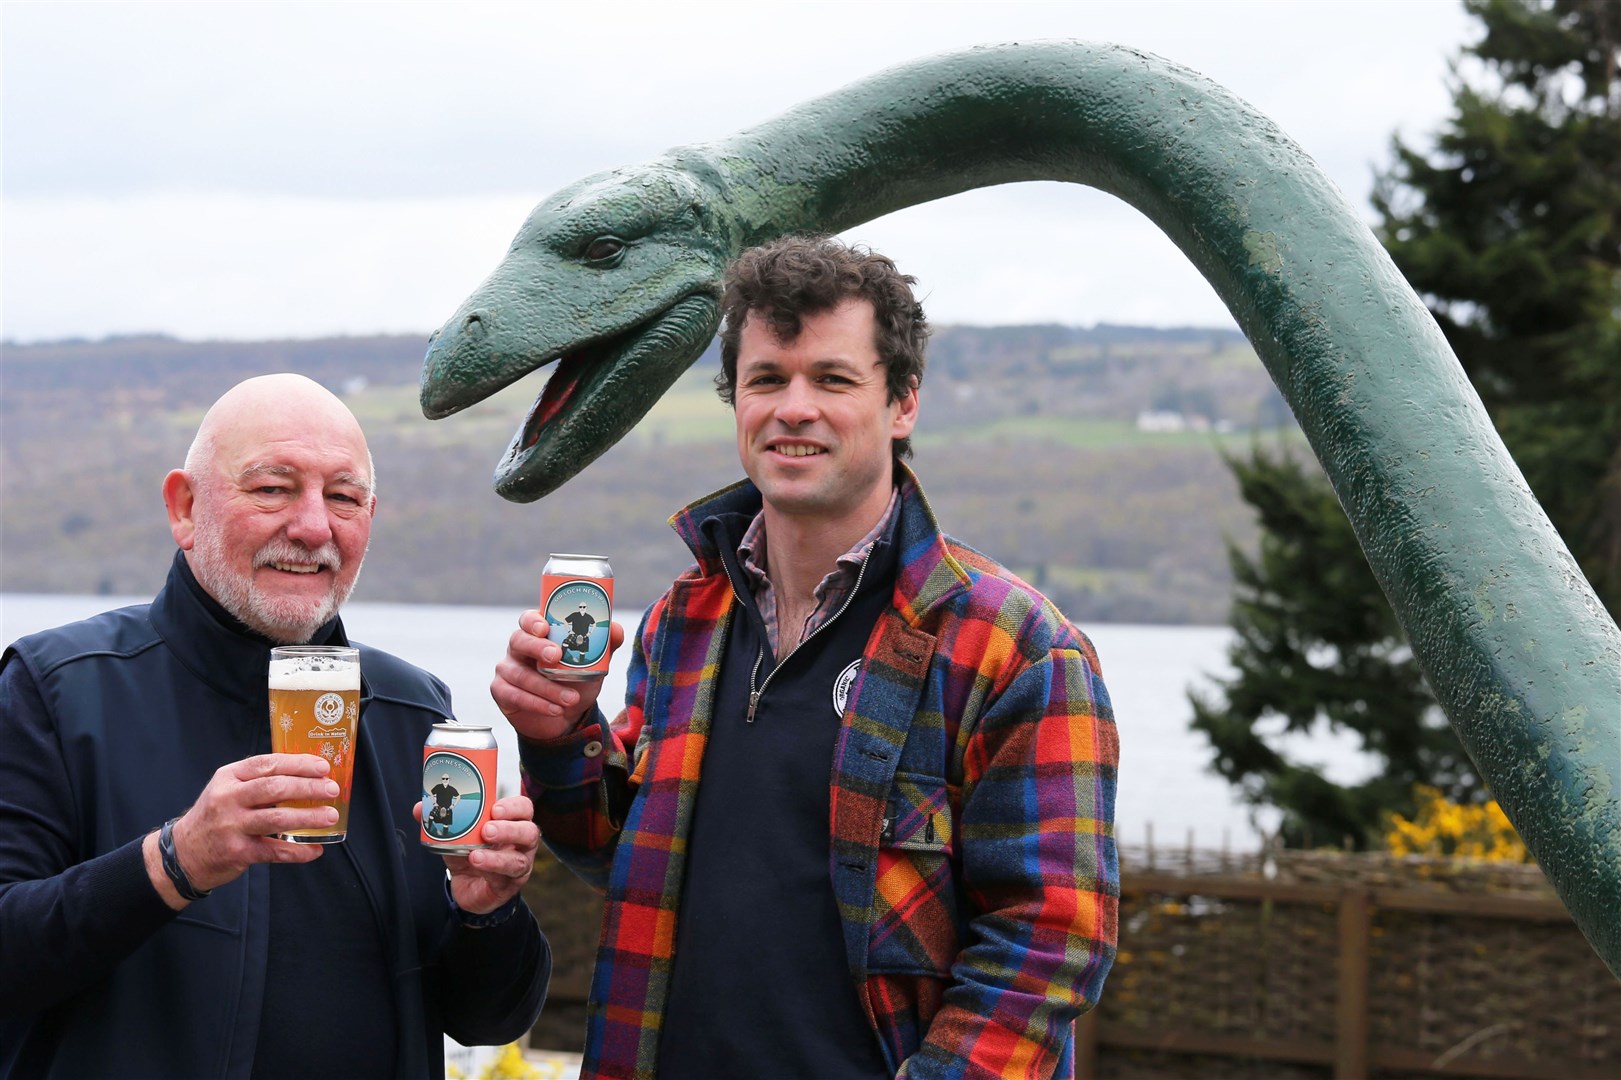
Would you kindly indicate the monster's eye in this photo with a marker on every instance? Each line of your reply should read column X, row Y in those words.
column 605, row 251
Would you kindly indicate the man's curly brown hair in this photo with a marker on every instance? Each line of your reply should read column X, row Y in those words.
column 796, row 276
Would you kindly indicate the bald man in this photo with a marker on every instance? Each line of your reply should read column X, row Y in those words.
column 149, row 923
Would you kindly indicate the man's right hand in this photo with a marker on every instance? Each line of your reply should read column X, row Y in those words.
column 229, row 827
column 539, row 707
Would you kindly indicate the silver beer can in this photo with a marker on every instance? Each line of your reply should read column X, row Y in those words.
column 576, row 600
column 458, row 785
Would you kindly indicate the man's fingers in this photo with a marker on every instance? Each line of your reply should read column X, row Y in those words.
column 281, row 819
column 525, row 680
column 513, row 808
column 527, row 648
column 521, row 693
column 501, row 862
column 515, row 834
column 532, row 638
column 277, row 764
column 279, row 788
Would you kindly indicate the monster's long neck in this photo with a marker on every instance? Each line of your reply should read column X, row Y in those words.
column 1439, row 507
column 1231, row 190
column 1159, row 136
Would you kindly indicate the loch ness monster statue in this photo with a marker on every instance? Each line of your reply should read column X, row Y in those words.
column 616, row 279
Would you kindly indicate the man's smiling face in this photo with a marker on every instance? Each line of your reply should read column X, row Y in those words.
column 814, row 419
column 280, row 511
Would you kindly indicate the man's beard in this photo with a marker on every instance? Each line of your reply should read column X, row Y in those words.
column 283, row 619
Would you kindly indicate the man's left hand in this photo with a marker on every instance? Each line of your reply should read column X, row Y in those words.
column 485, row 878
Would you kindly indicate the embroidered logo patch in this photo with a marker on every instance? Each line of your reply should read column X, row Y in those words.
column 842, row 684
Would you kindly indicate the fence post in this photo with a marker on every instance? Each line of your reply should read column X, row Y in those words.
column 1351, row 1012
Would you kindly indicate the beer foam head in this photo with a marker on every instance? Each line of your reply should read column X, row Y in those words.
column 305, row 674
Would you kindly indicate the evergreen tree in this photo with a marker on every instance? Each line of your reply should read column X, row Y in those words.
column 1510, row 228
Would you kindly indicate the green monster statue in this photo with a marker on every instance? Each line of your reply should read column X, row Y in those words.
column 615, row 279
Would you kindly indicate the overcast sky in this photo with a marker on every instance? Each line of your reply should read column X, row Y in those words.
column 249, row 170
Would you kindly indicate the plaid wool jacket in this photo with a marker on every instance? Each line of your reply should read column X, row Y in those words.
column 971, row 853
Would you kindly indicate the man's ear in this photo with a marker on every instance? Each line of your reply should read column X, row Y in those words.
column 179, row 498
column 906, row 415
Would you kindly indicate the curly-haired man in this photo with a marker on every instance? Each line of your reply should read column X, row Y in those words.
column 856, row 818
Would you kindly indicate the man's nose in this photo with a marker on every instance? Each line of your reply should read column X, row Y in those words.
column 797, row 404
column 310, row 524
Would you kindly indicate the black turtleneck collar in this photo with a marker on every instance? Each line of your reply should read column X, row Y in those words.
column 212, row 643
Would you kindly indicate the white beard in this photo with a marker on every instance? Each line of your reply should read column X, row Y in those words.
column 283, row 619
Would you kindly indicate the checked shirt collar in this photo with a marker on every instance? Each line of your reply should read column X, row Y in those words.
column 830, row 593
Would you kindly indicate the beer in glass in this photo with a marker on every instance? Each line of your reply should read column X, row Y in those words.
column 315, row 709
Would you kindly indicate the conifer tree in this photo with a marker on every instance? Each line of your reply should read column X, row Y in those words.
column 1510, row 228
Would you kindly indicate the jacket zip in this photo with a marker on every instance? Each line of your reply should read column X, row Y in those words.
column 754, row 674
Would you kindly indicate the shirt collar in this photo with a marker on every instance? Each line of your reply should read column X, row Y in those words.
column 751, row 551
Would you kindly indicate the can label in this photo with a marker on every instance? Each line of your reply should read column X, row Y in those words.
column 578, row 611
column 458, row 795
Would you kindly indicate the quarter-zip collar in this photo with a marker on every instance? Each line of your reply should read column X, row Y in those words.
column 214, row 645
column 831, row 593
column 723, row 531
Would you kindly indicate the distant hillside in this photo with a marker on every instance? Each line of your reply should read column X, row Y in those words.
column 1085, row 458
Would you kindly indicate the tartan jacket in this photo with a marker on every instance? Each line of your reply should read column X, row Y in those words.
column 972, row 850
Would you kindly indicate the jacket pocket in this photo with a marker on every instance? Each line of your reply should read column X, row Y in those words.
column 917, row 816
column 916, row 907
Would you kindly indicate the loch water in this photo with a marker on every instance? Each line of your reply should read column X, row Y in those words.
column 1166, row 789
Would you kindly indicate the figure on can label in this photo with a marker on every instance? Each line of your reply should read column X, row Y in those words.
column 578, row 614
column 452, row 796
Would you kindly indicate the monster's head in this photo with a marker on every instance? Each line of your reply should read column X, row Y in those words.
column 617, row 279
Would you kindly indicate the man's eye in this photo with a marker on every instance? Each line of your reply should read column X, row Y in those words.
column 605, row 249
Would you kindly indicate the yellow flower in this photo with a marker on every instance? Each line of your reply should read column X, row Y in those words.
column 510, row 1065
column 1463, row 830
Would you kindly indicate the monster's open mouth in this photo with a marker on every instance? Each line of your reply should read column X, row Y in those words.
column 596, row 393
column 570, row 374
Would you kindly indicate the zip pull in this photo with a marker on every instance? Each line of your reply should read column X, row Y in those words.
column 755, row 690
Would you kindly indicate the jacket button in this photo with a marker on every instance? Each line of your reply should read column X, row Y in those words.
column 593, row 748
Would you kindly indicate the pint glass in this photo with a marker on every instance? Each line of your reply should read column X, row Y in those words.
column 315, row 709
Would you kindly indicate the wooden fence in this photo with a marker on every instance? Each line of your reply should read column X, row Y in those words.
column 1289, row 965
column 1308, row 964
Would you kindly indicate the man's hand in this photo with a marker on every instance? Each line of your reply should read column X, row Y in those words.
column 485, row 878
column 539, row 707
column 229, row 827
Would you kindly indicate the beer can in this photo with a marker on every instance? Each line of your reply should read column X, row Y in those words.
column 577, row 600
column 458, row 785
